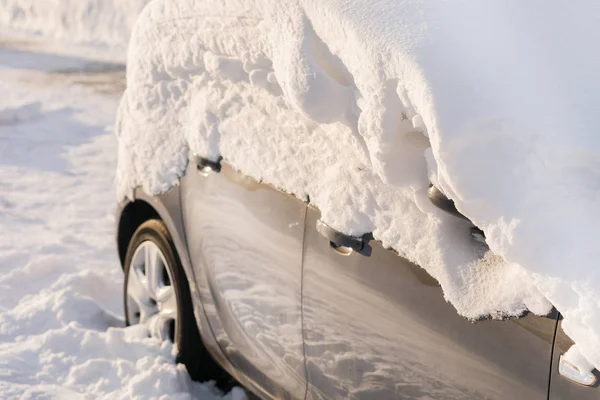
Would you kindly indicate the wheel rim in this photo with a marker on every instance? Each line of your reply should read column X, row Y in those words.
column 150, row 292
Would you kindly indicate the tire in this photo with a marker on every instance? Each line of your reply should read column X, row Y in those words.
column 190, row 350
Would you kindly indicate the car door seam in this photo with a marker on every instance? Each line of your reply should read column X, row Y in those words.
column 302, row 302
column 552, row 357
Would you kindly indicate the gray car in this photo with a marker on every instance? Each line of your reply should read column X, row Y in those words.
column 246, row 279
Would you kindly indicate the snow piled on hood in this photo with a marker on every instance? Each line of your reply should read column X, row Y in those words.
column 357, row 105
column 103, row 23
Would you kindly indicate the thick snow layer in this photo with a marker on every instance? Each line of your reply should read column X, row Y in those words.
column 358, row 105
column 62, row 333
column 103, row 23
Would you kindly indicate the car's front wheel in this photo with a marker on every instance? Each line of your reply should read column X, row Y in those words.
column 157, row 293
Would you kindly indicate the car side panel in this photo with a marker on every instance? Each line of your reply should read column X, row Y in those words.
column 378, row 327
column 245, row 243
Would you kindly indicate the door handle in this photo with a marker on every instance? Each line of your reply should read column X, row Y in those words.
column 339, row 242
column 206, row 166
column 572, row 373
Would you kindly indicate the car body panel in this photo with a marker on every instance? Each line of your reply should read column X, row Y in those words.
column 245, row 241
column 377, row 327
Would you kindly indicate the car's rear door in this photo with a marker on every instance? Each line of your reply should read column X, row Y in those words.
column 378, row 327
column 245, row 242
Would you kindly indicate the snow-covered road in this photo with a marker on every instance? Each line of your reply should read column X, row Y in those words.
column 62, row 332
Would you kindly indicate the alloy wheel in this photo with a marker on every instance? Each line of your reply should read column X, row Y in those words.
column 150, row 294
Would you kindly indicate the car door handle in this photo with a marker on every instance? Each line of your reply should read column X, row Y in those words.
column 206, row 166
column 339, row 242
column 572, row 373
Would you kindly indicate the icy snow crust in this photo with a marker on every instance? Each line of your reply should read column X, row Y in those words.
column 357, row 105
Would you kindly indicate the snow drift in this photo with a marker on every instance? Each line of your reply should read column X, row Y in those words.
column 102, row 23
column 62, row 334
column 359, row 105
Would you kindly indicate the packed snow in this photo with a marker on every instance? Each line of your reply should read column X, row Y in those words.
column 62, row 333
column 358, row 105
column 103, row 24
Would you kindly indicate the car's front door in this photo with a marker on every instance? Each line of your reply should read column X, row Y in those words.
column 245, row 241
column 378, row 327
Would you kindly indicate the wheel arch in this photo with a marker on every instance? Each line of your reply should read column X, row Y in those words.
column 132, row 215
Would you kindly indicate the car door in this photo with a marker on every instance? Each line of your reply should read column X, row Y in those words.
column 245, row 243
column 378, row 327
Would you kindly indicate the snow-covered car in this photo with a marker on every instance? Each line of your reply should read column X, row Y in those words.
column 282, row 165
column 289, row 306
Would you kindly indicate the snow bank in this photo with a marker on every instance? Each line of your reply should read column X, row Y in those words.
column 358, row 105
column 62, row 333
column 18, row 114
column 103, row 23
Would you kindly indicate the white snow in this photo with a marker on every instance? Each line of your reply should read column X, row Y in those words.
column 62, row 333
column 359, row 104
column 22, row 113
column 103, row 24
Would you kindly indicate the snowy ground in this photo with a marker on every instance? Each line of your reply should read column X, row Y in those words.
column 62, row 332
